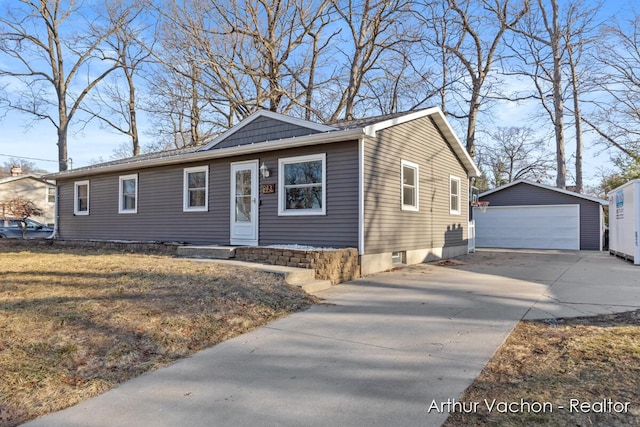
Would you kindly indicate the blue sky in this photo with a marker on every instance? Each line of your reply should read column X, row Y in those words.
column 21, row 137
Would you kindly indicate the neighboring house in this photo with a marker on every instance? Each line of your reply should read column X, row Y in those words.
column 394, row 187
column 34, row 188
column 525, row 214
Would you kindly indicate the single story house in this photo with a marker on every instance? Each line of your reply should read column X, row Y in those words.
column 33, row 188
column 526, row 214
column 395, row 187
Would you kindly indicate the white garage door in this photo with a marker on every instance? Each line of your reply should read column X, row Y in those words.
column 534, row 227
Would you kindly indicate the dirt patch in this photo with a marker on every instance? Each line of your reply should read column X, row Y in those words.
column 450, row 263
column 560, row 372
column 75, row 323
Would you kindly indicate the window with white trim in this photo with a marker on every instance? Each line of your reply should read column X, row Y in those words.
column 454, row 195
column 128, row 194
column 81, row 198
column 410, row 188
column 196, row 189
column 302, row 185
column 51, row 194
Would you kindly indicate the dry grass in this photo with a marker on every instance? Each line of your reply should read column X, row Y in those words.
column 74, row 324
column 588, row 359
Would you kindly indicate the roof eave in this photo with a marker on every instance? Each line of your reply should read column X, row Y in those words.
column 300, row 141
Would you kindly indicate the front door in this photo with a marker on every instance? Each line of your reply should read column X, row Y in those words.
column 244, row 203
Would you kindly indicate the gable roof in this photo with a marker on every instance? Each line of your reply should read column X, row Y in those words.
column 312, row 126
column 318, row 134
column 29, row 176
column 546, row 187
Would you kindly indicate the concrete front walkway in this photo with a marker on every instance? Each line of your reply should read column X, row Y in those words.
column 379, row 351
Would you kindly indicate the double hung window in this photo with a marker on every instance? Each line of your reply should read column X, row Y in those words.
column 302, row 185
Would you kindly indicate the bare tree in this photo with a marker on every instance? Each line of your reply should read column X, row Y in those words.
column 514, row 153
column 373, row 28
column 443, row 72
column 52, row 48
column 482, row 24
column 551, row 48
column 116, row 102
column 616, row 120
column 540, row 50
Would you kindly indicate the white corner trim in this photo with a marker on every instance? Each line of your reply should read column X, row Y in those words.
column 361, row 148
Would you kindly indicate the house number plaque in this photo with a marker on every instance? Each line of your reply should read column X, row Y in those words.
column 268, row 188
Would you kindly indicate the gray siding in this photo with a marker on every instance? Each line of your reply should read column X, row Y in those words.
column 388, row 228
column 160, row 216
column 339, row 227
column 263, row 129
column 523, row 194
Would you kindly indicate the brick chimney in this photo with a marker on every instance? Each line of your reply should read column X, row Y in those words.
column 16, row 170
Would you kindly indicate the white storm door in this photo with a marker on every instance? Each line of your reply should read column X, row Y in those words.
column 244, row 203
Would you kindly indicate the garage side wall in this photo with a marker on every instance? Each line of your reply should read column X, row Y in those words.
column 526, row 195
column 431, row 231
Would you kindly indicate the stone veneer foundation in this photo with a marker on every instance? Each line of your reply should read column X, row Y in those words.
column 336, row 265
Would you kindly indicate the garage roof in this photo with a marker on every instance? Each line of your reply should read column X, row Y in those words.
column 547, row 187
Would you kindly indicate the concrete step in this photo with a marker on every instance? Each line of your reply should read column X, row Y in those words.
column 316, row 286
column 211, row 252
column 292, row 275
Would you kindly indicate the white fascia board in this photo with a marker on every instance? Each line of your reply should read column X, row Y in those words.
column 300, row 141
column 270, row 114
column 372, row 129
column 546, row 187
column 458, row 148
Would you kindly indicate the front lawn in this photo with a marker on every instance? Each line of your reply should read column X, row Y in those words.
column 560, row 372
column 75, row 323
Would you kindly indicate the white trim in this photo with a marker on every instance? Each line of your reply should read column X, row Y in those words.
column 75, row 197
column 272, row 115
column 415, row 166
column 546, row 187
column 282, row 211
column 361, row 148
column 252, row 165
column 459, row 210
column 601, row 227
column 185, row 189
column 121, row 179
column 47, row 191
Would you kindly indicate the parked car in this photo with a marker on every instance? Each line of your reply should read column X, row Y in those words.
column 11, row 228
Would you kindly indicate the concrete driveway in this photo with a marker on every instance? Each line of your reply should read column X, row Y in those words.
column 379, row 351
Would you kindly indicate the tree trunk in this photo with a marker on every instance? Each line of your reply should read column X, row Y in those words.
column 558, row 103
column 135, row 139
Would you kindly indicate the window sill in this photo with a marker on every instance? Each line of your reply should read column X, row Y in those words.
column 302, row 213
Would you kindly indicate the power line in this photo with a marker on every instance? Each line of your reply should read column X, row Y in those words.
column 27, row 158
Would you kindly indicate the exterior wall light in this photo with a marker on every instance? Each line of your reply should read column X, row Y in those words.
column 264, row 171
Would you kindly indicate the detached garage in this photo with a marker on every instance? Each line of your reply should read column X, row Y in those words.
column 525, row 214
